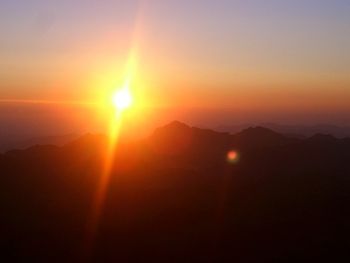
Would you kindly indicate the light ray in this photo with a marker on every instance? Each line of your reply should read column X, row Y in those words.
column 109, row 158
column 102, row 187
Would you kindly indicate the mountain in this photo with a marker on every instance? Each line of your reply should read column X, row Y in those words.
column 322, row 138
column 260, row 137
column 296, row 131
column 175, row 197
column 8, row 144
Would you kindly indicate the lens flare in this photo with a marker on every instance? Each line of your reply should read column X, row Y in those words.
column 232, row 156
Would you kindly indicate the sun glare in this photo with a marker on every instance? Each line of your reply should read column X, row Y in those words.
column 122, row 99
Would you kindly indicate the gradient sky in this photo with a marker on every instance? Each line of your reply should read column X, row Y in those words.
column 252, row 55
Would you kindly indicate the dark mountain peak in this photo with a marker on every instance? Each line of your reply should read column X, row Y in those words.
column 173, row 129
column 177, row 128
column 177, row 137
column 319, row 137
column 88, row 141
column 176, row 125
column 171, row 138
column 260, row 137
column 35, row 149
column 260, row 132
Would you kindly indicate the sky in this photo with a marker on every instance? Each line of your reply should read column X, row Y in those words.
column 289, row 59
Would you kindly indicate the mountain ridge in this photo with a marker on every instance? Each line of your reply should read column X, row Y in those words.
column 214, row 199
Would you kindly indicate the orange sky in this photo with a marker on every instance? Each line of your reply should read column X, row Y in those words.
column 237, row 55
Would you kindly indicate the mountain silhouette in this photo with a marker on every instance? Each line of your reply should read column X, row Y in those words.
column 7, row 144
column 175, row 197
column 296, row 131
column 322, row 138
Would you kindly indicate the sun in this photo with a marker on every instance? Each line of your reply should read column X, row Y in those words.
column 122, row 99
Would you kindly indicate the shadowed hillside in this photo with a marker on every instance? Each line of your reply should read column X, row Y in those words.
column 177, row 197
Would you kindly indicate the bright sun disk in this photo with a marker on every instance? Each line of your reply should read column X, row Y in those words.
column 122, row 99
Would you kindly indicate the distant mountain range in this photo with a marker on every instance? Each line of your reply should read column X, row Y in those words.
column 294, row 130
column 60, row 140
column 177, row 196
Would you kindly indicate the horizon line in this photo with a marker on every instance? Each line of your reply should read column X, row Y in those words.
column 28, row 101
